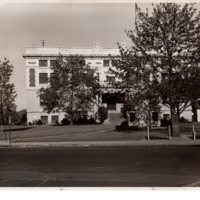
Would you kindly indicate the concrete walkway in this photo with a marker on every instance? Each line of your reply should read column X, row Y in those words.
column 181, row 141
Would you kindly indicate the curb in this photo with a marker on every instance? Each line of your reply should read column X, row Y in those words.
column 104, row 144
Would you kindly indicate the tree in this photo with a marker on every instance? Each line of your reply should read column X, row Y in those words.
column 20, row 117
column 165, row 49
column 73, row 87
column 141, row 89
column 7, row 91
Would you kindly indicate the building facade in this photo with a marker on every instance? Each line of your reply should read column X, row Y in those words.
column 38, row 61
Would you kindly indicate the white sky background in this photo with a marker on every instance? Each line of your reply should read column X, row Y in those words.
column 59, row 24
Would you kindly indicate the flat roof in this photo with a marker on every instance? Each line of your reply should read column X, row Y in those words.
column 55, row 51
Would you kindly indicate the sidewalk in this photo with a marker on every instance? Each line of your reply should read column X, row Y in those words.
column 182, row 141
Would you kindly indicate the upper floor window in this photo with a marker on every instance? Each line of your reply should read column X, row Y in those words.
column 43, row 63
column 106, row 63
column 43, row 78
column 110, row 79
column 52, row 63
column 114, row 62
column 31, row 77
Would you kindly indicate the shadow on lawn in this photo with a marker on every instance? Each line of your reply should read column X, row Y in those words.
column 19, row 128
column 154, row 137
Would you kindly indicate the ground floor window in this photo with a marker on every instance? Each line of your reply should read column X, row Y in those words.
column 54, row 119
column 44, row 119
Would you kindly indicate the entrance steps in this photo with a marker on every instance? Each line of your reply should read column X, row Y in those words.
column 114, row 119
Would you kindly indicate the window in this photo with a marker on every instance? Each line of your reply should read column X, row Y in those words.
column 43, row 63
column 52, row 74
column 110, row 79
column 114, row 62
column 43, row 78
column 52, row 63
column 54, row 119
column 31, row 77
column 44, row 119
column 106, row 63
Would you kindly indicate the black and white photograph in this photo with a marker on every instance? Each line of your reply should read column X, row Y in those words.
column 99, row 94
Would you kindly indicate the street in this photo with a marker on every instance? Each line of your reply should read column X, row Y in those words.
column 102, row 167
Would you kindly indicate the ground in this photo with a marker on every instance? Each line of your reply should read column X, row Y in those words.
column 85, row 133
column 68, row 166
column 102, row 167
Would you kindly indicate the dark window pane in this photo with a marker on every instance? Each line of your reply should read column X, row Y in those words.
column 106, row 63
column 52, row 62
column 110, row 79
column 43, row 63
column 114, row 62
column 43, row 78
column 54, row 119
column 31, row 77
column 44, row 119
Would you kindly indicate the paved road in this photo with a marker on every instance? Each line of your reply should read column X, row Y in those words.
column 69, row 167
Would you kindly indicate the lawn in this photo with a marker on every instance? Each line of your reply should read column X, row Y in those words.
column 85, row 133
column 73, row 133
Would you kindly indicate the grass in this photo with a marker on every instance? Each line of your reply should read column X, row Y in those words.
column 87, row 133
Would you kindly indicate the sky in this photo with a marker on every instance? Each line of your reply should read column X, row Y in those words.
column 60, row 25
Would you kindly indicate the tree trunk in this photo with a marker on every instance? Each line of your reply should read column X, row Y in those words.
column 194, row 110
column 175, row 128
column 178, row 114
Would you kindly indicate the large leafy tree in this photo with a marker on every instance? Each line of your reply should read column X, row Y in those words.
column 73, row 87
column 166, row 47
column 7, row 91
column 140, row 87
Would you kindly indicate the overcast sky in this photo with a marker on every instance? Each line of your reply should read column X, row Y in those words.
column 65, row 25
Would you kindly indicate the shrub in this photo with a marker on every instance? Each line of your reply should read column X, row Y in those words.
column 124, row 126
column 91, row 120
column 83, row 119
column 39, row 122
column 102, row 113
column 65, row 121
column 20, row 117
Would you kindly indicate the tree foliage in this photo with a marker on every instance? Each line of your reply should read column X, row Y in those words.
column 164, row 57
column 7, row 90
column 73, row 86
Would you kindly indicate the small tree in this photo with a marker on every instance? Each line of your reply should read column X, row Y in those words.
column 73, row 87
column 7, row 91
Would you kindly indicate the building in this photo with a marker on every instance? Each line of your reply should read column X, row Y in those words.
column 38, row 61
